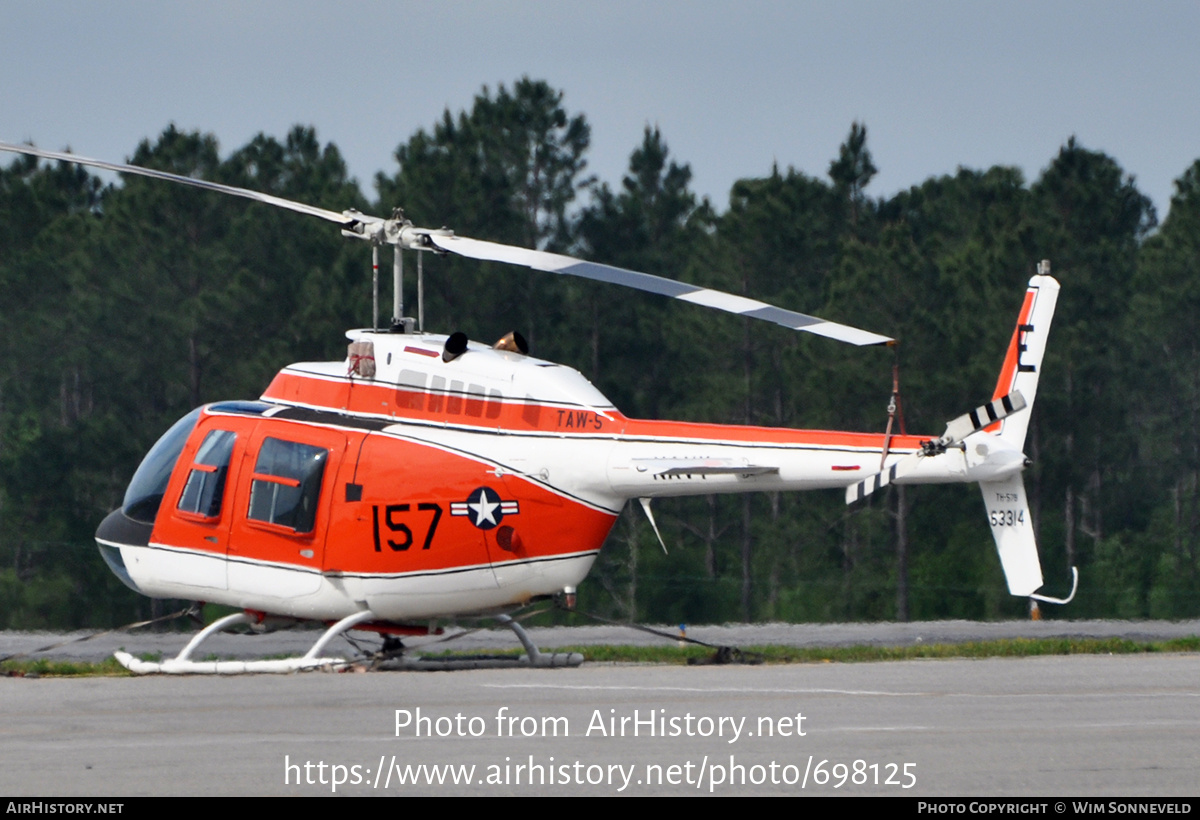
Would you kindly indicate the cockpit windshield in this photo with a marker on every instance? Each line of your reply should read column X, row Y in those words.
column 149, row 483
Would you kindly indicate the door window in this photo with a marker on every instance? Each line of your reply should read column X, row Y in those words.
column 286, row 484
column 205, row 485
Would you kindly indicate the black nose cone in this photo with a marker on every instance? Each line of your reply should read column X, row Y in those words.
column 116, row 531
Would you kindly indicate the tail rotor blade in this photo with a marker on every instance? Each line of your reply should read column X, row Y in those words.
column 956, row 430
column 982, row 416
column 872, row 484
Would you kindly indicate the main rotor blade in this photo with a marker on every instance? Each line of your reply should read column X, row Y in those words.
column 569, row 266
column 298, row 207
column 397, row 231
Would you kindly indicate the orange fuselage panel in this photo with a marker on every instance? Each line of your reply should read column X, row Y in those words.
column 385, row 506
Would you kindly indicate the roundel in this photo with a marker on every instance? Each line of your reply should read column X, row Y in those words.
column 485, row 508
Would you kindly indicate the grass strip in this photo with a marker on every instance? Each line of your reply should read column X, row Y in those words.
column 1004, row 648
column 668, row 654
column 45, row 668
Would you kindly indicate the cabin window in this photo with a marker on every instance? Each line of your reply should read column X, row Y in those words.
column 287, row 484
column 206, row 482
column 410, row 391
column 149, row 483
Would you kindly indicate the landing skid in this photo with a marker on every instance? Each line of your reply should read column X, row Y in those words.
column 533, row 658
column 1069, row 598
column 182, row 664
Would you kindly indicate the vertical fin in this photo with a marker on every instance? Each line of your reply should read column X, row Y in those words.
column 1012, row 528
column 1023, row 361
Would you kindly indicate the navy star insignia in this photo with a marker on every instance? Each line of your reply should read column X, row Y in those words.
column 485, row 508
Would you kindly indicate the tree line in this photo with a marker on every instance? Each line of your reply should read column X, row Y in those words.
column 124, row 305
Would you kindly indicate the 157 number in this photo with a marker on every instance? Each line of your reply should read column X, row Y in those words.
column 396, row 518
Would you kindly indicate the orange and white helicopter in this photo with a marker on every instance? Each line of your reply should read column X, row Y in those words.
column 427, row 476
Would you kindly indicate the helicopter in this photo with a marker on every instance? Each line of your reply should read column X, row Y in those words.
column 427, row 476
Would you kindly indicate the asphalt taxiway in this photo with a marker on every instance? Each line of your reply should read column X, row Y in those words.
column 1124, row 725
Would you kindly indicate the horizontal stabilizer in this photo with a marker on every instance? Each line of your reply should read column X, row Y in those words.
column 701, row 466
column 745, row 471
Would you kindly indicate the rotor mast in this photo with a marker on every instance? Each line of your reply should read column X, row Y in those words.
column 400, row 233
column 397, row 288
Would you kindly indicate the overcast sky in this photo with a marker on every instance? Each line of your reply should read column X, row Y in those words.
column 734, row 87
